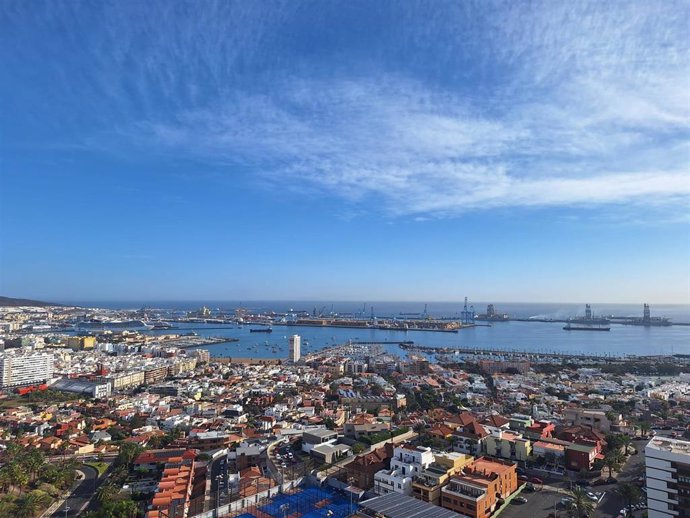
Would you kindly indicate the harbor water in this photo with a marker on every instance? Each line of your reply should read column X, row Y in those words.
column 534, row 337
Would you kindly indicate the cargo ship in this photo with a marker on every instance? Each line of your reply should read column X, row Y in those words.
column 261, row 330
column 582, row 327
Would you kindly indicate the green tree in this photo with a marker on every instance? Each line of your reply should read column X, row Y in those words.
column 644, row 426
column 358, row 448
column 32, row 461
column 31, row 504
column 128, row 452
column 581, row 505
column 106, row 493
column 626, row 441
column 630, row 495
column 18, row 476
column 612, row 461
column 120, row 509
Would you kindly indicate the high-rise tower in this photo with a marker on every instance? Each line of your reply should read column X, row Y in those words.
column 295, row 355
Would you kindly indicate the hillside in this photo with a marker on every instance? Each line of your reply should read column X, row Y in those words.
column 12, row 302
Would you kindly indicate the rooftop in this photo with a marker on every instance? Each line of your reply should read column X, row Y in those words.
column 677, row 446
column 395, row 505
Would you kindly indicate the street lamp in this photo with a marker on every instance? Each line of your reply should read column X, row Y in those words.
column 350, row 481
column 67, row 509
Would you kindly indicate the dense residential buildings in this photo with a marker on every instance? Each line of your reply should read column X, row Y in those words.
column 446, row 432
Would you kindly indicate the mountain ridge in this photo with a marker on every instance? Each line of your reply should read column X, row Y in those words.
column 14, row 302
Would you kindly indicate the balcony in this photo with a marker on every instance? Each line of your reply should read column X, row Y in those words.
column 465, row 492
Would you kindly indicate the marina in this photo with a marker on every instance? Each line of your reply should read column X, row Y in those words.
column 529, row 337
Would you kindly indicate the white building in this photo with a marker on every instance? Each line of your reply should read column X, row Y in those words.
column 668, row 477
column 295, row 341
column 407, row 463
column 23, row 367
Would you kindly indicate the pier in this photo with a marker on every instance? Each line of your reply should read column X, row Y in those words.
column 189, row 342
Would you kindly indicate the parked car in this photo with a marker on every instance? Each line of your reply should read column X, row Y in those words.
column 566, row 502
column 519, row 500
column 595, row 497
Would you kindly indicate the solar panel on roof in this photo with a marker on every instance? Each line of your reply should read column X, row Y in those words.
column 395, row 505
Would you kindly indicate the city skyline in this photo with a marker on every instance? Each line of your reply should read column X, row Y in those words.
column 421, row 151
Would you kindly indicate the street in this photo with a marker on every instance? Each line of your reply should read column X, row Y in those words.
column 81, row 494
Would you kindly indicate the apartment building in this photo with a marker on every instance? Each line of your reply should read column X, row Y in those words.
column 357, row 430
column 668, row 478
column 408, row 462
column 124, row 380
column 427, row 486
column 507, row 445
column 595, row 419
column 23, row 367
column 475, row 492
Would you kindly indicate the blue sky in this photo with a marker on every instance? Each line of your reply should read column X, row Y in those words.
column 508, row 151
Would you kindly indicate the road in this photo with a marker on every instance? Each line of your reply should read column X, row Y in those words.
column 541, row 503
column 218, row 468
column 611, row 504
column 81, row 494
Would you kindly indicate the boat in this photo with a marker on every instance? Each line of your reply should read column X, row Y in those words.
column 162, row 325
column 261, row 330
column 578, row 327
column 112, row 325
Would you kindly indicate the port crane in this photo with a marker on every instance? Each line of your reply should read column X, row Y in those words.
column 467, row 314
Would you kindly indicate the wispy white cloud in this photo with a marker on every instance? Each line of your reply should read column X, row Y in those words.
column 417, row 152
column 428, row 108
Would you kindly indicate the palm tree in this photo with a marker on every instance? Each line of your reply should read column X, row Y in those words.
column 18, row 476
column 33, row 461
column 128, row 452
column 626, row 441
column 581, row 505
column 13, row 452
column 644, row 427
column 613, row 461
column 5, row 478
column 30, row 504
column 106, row 493
column 630, row 494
